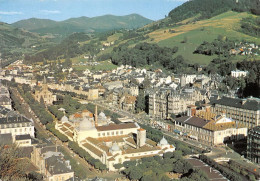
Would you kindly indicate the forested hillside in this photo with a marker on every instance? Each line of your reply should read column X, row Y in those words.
column 251, row 26
column 68, row 48
column 210, row 8
column 14, row 42
column 144, row 54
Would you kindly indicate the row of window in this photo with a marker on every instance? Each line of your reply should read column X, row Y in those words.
column 15, row 130
column 15, row 125
column 112, row 133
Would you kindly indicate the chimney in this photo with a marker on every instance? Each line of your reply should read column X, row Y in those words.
column 206, row 107
column 96, row 116
column 243, row 101
column 223, row 113
column 191, row 110
column 141, row 137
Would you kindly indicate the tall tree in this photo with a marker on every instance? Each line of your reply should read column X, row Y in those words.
column 140, row 102
column 10, row 166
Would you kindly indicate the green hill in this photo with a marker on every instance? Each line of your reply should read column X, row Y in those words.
column 227, row 24
column 210, row 8
column 83, row 24
column 34, row 23
column 15, row 42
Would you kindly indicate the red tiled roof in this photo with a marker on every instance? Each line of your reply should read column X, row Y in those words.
column 93, row 149
column 116, row 127
column 77, row 115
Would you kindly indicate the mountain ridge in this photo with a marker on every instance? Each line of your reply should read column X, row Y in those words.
column 82, row 24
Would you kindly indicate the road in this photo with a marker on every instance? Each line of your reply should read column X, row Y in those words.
column 91, row 173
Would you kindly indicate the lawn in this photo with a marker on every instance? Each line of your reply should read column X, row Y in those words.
column 104, row 65
column 194, row 39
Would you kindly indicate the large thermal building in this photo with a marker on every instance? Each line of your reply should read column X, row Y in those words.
column 111, row 143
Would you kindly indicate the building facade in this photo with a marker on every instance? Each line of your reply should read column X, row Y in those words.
column 5, row 99
column 16, row 125
column 209, row 128
column 253, row 145
column 165, row 102
column 239, row 73
column 51, row 163
column 245, row 111
column 44, row 94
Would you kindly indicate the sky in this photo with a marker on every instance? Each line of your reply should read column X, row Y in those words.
column 58, row 10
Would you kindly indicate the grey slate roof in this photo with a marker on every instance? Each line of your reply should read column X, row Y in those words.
column 14, row 119
column 4, row 99
column 198, row 122
column 6, row 139
column 4, row 110
column 23, row 137
column 25, row 152
column 57, row 165
column 194, row 121
column 47, row 148
column 256, row 129
column 250, row 104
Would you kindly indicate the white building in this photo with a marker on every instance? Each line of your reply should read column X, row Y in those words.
column 239, row 73
column 16, row 128
column 112, row 143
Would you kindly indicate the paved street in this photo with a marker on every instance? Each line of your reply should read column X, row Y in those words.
column 92, row 173
column 212, row 173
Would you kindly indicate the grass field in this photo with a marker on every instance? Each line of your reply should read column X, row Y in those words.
column 114, row 37
column 226, row 24
column 104, row 65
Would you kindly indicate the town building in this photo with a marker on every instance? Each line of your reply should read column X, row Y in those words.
column 15, row 128
column 16, row 125
column 187, row 79
column 111, row 143
column 51, row 163
column 209, row 128
column 239, row 73
column 5, row 99
column 43, row 93
column 245, row 111
column 253, row 145
column 165, row 102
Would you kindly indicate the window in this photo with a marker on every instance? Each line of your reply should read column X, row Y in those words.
column 98, row 134
column 112, row 133
column 103, row 134
column 108, row 133
column 121, row 132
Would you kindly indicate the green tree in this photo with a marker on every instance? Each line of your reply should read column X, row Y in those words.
column 140, row 102
column 135, row 174
column 10, row 166
column 67, row 63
